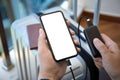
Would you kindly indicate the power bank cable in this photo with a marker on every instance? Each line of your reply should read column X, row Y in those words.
column 69, row 65
column 94, row 72
column 85, row 78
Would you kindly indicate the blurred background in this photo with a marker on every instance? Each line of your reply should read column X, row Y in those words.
column 12, row 10
column 16, row 9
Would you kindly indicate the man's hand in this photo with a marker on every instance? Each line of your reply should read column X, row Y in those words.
column 48, row 67
column 110, row 56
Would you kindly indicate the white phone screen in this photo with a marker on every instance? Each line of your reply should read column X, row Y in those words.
column 58, row 35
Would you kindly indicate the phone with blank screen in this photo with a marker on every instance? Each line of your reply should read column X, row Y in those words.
column 58, row 35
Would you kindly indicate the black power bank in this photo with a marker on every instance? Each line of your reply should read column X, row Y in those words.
column 90, row 33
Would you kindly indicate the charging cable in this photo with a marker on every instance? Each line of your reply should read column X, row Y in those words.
column 93, row 70
column 69, row 65
column 89, row 23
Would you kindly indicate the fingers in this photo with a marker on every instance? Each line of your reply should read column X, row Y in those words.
column 68, row 23
column 72, row 32
column 100, row 47
column 78, row 49
column 76, row 42
column 98, row 62
column 107, row 40
column 110, row 43
column 41, row 40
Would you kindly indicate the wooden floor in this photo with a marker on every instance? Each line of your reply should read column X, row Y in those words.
column 111, row 29
column 108, row 25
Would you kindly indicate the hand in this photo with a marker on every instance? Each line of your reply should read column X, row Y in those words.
column 110, row 56
column 48, row 67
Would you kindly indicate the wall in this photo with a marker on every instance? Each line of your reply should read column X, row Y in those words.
column 109, row 7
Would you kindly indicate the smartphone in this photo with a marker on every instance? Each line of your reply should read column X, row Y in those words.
column 58, row 35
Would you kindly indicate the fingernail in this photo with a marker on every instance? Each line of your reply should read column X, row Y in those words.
column 96, row 40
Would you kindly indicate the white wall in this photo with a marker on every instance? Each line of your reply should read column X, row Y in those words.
column 109, row 7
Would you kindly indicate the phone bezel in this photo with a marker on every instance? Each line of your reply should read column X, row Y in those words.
column 49, row 40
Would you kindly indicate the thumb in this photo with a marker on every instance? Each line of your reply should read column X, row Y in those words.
column 41, row 39
column 100, row 47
